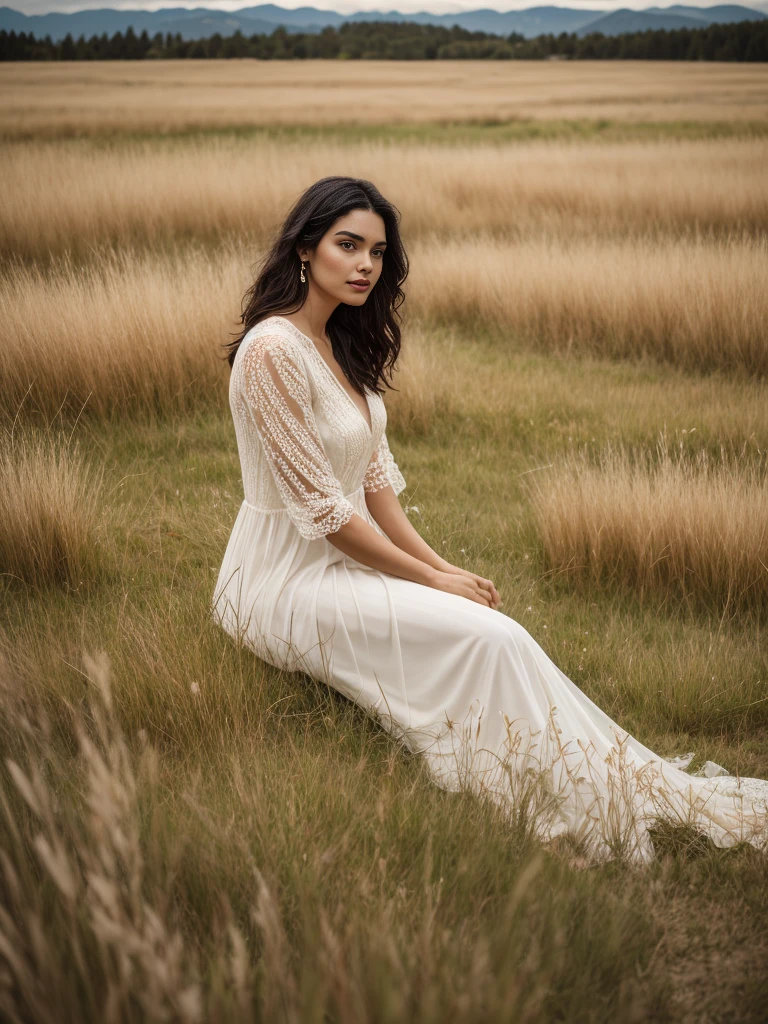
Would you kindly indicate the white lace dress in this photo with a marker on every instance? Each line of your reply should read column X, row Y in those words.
column 463, row 684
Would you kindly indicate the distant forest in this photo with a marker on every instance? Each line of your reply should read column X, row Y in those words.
column 385, row 40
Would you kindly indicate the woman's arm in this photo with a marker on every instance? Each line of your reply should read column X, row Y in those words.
column 388, row 513
column 360, row 541
column 413, row 558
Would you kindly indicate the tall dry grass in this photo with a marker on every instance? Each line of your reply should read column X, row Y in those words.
column 123, row 897
column 660, row 522
column 693, row 304
column 161, row 96
column 128, row 332
column 142, row 331
column 68, row 196
column 50, row 511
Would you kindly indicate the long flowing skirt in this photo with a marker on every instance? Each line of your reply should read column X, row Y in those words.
column 468, row 688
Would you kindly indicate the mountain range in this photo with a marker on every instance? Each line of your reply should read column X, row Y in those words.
column 201, row 22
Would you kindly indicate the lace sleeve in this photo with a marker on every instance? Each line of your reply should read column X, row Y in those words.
column 382, row 470
column 278, row 397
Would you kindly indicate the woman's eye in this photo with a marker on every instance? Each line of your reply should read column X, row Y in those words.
column 379, row 251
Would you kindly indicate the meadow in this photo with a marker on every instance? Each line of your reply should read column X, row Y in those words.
column 173, row 96
column 580, row 413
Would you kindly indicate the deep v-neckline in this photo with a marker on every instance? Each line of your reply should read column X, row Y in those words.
column 352, row 402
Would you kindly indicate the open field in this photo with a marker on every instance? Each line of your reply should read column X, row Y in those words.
column 87, row 335
column 581, row 415
column 75, row 195
column 164, row 96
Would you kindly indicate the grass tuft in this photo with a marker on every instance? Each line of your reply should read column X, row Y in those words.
column 50, row 512
column 662, row 521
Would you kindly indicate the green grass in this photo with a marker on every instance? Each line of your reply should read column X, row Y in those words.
column 460, row 132
column 385, row 898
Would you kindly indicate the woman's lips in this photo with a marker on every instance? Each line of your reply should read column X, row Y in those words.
column 360, row 287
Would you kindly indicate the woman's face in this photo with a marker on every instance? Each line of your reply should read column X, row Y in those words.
column 351, row 250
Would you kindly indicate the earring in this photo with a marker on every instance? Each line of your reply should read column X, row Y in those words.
column 302, row 272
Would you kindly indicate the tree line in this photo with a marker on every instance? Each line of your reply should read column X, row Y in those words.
column 385, row 40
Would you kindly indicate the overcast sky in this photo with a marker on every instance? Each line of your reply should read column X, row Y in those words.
column 350, row 6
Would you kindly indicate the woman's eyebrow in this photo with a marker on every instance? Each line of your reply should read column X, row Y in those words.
column 358, row 237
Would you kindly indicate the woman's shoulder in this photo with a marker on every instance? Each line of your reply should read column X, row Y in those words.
column 271, row 335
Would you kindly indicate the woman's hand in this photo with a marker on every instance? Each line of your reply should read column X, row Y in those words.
column 467, row 584
column 484, row 583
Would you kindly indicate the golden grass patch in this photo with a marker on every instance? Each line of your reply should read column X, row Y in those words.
column 126, row 332
column 695, row 304
column 69, row 196
column 144, row 330
column 661, row 522
column 49, row 511
column 120, row 96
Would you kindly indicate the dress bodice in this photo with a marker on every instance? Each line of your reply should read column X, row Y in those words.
column 303, row 443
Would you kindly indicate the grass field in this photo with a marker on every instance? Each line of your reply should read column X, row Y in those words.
column 163, row 96
column 581, row 414
column 74, row 195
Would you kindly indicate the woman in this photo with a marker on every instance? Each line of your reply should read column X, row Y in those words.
column 325, row 573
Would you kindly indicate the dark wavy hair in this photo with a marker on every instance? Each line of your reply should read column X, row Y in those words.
column 365, row 339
